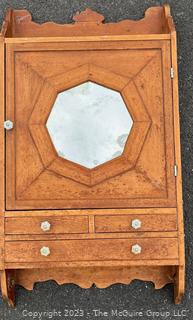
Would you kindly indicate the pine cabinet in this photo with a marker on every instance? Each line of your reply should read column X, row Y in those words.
column 90, row 152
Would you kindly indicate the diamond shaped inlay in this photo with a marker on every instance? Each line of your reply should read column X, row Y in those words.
column 114, row 117
column 89, row 124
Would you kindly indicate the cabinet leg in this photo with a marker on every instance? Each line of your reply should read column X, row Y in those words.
column 8, row 287
column 179, row 284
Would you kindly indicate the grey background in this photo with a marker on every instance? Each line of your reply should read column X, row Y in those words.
column 139, row 296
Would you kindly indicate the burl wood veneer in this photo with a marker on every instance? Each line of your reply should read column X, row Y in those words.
column 116, row 221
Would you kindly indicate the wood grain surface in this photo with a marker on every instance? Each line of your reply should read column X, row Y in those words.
column 90, row 212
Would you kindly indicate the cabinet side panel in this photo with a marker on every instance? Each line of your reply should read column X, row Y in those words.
column 1, row 242
column 2, row 149
column 180, row 277
column 177, row 145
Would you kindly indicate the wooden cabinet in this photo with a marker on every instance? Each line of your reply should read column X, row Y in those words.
column 91, row 174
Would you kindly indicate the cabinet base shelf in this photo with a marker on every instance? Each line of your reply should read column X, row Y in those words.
column 85, row 277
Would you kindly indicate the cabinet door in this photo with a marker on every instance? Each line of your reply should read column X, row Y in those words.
column 93, row 125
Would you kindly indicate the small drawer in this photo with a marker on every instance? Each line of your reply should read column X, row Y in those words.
column 136, row 223
column 51, row 225
column 91, row 250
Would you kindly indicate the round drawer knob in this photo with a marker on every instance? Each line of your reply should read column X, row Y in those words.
column 136, row 224
column 45, row 226
column 136, row 249
column 8, row 125
column 45, row 251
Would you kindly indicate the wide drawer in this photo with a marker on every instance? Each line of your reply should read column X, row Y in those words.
column 136, row 222
column 40, row 225
column 91, row 250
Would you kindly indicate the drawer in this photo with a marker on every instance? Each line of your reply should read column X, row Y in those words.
column 51, row 225
column 91, row 250
column 136, row 222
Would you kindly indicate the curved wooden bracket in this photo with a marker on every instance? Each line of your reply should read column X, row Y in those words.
column 168, row 18
column 179, row 284
column 8, row 286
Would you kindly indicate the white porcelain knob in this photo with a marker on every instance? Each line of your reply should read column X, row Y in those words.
column 45, row 226
column 8, row 125
column 136, row 249
column 45, row 251
column 136, row 224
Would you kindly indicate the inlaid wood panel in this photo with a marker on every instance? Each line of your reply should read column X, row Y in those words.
column 143, row 176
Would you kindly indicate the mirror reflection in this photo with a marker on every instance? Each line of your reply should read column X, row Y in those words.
column 89, row 124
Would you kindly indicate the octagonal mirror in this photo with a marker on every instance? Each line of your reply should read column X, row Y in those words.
column 89, row 124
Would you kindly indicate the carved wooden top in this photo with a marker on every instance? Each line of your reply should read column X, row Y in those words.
column 18, row 23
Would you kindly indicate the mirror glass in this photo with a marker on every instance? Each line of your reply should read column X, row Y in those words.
column 89, row 124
